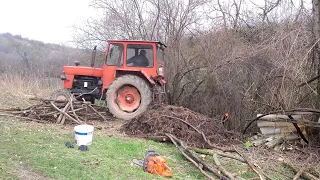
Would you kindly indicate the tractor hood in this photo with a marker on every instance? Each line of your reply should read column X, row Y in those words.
column 82, row 70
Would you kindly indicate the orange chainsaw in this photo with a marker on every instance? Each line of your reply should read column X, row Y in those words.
column 154, row 163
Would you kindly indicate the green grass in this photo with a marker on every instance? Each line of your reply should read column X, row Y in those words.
column 6, row 167
column 42, row 149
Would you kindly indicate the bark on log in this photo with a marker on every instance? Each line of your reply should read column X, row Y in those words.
column 274, row 142
column 221, row 168
column 211, row 153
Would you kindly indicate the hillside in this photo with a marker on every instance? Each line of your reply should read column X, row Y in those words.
column 18, row 54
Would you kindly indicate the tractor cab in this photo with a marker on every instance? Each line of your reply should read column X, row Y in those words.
column 131, row 78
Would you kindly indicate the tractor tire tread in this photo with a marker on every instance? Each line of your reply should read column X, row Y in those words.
column 137, row 82
column 65, row 92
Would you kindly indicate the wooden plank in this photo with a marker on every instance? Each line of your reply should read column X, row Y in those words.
column 279, row 116
column 273, row 124
column 270, row 131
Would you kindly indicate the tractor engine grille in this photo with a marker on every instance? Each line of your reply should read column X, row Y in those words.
column 85, row 82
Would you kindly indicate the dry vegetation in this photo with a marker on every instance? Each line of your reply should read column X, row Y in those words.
column 221, row 57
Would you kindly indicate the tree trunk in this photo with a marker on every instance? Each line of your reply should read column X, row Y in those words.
column 316, row 31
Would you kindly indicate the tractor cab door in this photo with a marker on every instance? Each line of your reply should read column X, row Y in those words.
column 114, row 60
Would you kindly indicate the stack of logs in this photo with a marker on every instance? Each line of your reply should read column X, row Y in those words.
column 274, row 131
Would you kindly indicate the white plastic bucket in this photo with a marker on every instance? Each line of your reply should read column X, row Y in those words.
column 83, row 134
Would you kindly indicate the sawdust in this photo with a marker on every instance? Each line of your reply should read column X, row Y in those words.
column 184, row 124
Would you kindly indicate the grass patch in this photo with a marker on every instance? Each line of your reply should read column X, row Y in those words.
column 41, row 148
column 6, row 167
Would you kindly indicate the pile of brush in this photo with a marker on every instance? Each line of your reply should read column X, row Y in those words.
column 196, row 129
column 60, row 112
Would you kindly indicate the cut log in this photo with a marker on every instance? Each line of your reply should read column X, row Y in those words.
column 259, row 142
column 274, row 142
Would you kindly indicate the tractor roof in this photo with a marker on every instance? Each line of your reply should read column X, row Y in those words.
column 158, row 42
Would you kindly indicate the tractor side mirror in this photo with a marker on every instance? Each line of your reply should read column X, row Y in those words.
column 77, row 63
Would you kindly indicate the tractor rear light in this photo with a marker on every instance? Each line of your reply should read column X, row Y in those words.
column 63, row 77
column 160, row 71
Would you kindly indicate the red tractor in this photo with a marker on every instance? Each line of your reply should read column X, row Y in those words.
column 131, row 78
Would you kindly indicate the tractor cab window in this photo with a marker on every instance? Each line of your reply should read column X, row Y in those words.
column 115, row 55
column 160, row 55
column 139, row 55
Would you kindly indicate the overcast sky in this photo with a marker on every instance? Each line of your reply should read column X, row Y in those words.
column 49, row 21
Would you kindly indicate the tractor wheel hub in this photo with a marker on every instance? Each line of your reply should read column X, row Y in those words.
column 128, row 98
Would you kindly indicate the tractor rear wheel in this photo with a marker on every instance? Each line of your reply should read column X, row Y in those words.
column 128, row 97
column 61, row 95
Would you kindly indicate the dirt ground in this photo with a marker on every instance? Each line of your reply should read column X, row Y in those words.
column 28, row 174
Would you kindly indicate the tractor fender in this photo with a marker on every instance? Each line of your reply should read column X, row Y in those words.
column 136, row 72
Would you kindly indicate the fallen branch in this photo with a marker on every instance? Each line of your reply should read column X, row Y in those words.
column 257, row 171
column 60, row 119
column 211, row 153
column 202, row 134
column 298, row 130
column 309, row 81
column 299, row 173
column 189, row 154
column 304, row 174
column 199, row 166
column 93, row 109
column 72, row 109
column 71, row 118
column 221, row 168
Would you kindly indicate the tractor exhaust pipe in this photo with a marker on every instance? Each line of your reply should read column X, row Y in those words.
column 93, row 59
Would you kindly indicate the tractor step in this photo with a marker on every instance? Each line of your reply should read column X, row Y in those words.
column 158, row 95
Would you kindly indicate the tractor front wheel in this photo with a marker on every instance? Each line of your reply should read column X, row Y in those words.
column 61, row 95
column 128, row 97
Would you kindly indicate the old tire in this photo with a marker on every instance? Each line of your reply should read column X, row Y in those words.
column 128, row 97
column 61, row 94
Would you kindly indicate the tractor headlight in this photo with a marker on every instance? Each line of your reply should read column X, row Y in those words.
column 160, row 71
